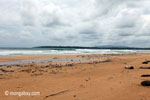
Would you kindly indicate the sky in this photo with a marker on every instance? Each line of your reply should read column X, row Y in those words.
column 29, row 23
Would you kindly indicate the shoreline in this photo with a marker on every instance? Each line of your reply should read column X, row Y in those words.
column 101, row 77
column 26, row 57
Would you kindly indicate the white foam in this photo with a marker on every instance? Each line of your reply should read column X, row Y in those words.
column 14, row 52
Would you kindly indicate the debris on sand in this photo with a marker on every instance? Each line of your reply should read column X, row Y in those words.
column 145, row 83
column 87, row 79
column 75, row 96
column 146, row 62
column 54, row 94
column 129, row 67
column 8, row 66
column 26, row 70
column 5, row 71
column 108, row 60
column 36, row 74
column 147, row 75
column 144, row 67
column 70, row 65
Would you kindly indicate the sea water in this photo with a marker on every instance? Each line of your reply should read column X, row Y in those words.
column 63, row 51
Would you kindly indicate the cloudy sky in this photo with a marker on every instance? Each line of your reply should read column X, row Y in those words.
column 74, row 22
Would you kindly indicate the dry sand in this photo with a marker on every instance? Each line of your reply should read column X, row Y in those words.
column 102, row 77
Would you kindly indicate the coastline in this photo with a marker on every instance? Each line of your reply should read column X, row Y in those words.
column 101, row 77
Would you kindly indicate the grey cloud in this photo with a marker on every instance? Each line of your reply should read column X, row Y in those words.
column 76, row 22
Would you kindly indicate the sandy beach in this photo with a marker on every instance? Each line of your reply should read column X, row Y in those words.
column 80, row 77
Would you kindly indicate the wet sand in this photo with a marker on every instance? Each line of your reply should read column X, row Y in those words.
column 82, row 77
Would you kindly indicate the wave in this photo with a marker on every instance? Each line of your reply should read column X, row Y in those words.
column 17, row 52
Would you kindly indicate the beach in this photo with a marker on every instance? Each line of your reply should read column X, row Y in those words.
column 74, row 77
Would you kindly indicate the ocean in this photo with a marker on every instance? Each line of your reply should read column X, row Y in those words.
column 63, row 51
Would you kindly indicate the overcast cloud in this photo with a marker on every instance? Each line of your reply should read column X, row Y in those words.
column 74, row 22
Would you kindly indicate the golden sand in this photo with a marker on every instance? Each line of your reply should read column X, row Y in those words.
column 103, row 77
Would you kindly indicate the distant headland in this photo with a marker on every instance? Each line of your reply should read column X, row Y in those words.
column 95, row 47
